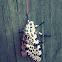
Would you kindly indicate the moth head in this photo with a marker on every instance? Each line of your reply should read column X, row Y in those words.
column 31, row 23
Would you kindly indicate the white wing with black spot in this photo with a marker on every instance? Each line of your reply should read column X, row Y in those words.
column 32, row 48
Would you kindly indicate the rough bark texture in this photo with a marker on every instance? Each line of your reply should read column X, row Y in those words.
column 13, row 20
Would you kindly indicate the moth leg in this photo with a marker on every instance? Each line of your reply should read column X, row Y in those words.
column 23, row 46
column 38, row 25
column 24, row 53
column 39, row 33
column 42, row 34
column 21, row 32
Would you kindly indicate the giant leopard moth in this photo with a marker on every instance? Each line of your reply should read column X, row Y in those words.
column 30, row 43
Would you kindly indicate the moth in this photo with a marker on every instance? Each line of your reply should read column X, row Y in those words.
column 30, row 43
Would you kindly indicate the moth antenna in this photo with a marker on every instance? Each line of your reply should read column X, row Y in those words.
column 27, row 17
column 39, row 25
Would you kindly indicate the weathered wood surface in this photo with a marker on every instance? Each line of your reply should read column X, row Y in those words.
column 13, row 20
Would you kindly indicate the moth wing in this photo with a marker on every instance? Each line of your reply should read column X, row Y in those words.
column 34, row 53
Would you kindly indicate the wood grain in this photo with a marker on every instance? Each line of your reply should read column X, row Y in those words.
column 13, row 19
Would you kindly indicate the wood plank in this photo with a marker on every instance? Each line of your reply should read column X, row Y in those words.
column 13, row 19
column 8, row 33
column 3, row 39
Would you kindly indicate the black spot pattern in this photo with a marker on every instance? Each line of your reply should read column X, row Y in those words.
column 32, row 49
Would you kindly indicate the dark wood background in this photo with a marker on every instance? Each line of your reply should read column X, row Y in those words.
column 13, row 20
